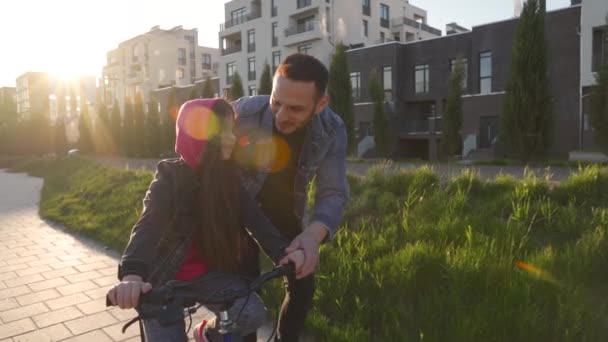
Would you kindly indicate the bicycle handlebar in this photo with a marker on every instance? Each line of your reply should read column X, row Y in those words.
column 186, row 290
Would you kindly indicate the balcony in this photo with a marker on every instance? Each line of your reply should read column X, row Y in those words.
column 206, row 66
column 384, row 23
column 303, row 3
column 302, row 33
column 251, row 47
column 274, row 11
column 366, row 10
column 431, row 125
column 231, row 49
column 251, row 76
column 181, row 61
column 240, row 19
column 417, row 25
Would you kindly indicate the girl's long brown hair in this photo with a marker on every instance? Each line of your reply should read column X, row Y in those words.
column 220, row 238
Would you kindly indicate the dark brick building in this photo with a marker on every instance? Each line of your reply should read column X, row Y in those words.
column 416, row 77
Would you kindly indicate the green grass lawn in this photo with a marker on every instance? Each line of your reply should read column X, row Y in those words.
column 416, row 259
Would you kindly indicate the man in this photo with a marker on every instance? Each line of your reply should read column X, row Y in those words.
column 287, row 139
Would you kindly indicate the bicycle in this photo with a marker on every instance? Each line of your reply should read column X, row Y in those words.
column 177, row 298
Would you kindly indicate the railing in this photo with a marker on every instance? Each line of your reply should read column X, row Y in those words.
column 384, row 23
column 251, row 47
column 419, row 126
column 206, row 66
column 181, row 61
column 240, row 19
column 231, row 50
column 307, row 27
column 304, row 3
column 413, row 23
column 251, row 76
column 367, row 10
column 274, row 11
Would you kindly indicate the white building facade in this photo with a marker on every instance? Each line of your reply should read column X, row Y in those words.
column 153, row 60
column 257, row 32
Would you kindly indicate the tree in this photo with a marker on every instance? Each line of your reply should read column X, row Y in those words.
column 168, row 123
column 265, row 87
column 85, row 130
column 102, row 130
column 153, row 130
column 60, row 137
column 116, row 129
column 598, row 113
column 527, row 121
column 194, row 93
column 138, row 127
column 208, row 92
column 451, row 142
column 236, row 90
column 340, row 93
column 380, row 127
column 8, row 124
column 128, row 126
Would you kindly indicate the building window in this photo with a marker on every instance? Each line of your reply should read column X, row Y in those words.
column 206, row 61
column 599, row 49
column 276, row 60
column 387, row 82
column 134, row 54
column 230, row 71
column 253, row 91
column 384, row 15
column 251, row 41
column 465, row 70
column 485, row 72
column 238, row 16
column 251, row 68
column 365, row 129
column 305, row 49
column 180, row 73
column 181, row 56
column 355, row 81
column 275, row 36
column 421, row 78
column 273, row 9
column 365, row 29
column 366, row 8
column 327, row 20
column 303, row 3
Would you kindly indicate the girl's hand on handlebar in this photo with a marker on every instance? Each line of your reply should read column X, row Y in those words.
column 126, row 293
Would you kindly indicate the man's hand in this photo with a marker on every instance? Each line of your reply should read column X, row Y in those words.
column 308, row 241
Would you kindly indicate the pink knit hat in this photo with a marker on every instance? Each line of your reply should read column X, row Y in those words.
column 196, row 123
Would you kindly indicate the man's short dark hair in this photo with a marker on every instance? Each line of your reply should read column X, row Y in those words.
column 305, row 68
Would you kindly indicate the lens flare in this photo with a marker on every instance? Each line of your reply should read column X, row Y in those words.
column 271, row 155
column 537, row 272
column 201, row 123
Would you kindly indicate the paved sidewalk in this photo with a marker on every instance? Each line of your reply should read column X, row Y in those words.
column 52, row 283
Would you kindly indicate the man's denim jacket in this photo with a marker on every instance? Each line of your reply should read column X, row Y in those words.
column 322, row 158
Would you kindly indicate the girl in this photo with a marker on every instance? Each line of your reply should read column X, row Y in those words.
column 193, row 224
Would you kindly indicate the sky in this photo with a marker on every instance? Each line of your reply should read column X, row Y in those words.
column 72, row 37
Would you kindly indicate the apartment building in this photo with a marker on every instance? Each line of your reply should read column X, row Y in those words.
column 156, row 59
column 8, row 94
column 32, row 94
column 257, row 32
column 594, row 54
column 38, row 93
column 416, row 76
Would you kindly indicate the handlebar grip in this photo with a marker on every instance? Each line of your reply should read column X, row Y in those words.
column 154, row 296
